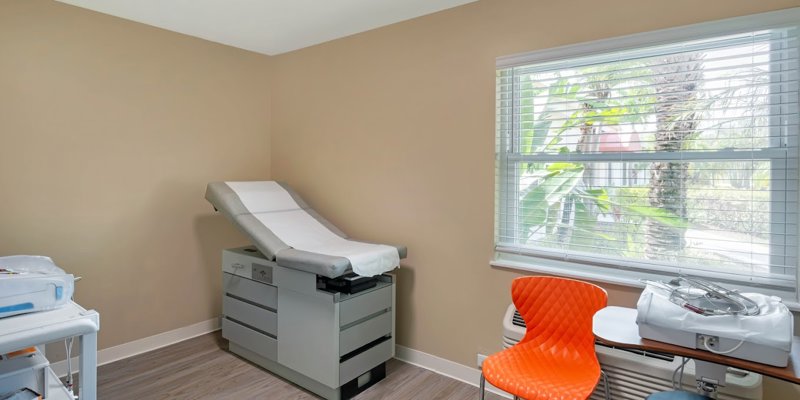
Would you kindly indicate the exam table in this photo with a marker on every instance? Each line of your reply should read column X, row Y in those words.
column 305, row 301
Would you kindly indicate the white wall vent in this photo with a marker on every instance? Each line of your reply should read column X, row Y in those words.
column 634, row 374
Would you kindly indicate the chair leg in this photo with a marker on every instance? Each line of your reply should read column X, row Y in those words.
column 483, row 386
column 606, row 389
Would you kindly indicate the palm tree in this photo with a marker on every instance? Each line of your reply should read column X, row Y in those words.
column 676, row 79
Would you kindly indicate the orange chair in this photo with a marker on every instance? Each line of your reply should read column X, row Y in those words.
column 556, row 358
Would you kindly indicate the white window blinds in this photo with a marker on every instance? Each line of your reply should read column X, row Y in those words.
column 675, row 158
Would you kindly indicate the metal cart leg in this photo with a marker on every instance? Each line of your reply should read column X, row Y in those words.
column 87, row 382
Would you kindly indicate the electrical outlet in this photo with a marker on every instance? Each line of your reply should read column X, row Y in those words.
column 706, row 342
column 481, row 357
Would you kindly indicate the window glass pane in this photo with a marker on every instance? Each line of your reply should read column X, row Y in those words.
column 711, row 99
column 674, row 157
column 613, row 208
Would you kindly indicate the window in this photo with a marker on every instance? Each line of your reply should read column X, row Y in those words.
column 672, row 152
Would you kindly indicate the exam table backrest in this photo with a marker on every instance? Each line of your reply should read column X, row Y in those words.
column 253, row 198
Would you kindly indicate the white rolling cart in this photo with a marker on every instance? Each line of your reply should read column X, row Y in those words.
column 39, row 328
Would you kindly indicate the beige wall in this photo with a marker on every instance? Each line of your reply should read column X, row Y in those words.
column 390, row 134
column 111, row 129
column 109, row 132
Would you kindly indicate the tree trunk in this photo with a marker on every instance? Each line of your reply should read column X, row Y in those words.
column 587, row 143
column 676, row 84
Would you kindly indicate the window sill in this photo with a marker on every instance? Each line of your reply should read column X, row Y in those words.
column 621, row 277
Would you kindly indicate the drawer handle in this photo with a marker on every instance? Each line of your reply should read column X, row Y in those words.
column 252, row 303
column 236, row 267
column 251, row 327
column 364, row 348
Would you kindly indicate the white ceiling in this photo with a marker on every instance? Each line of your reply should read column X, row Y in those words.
column 267, row 26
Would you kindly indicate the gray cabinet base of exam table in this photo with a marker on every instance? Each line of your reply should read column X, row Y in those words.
column 332, row 344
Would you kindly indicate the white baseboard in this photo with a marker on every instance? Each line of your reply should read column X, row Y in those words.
column 442, row 366
column 450, row 369
column 130, row 349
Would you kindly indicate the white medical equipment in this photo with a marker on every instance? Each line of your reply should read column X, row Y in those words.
column 24, row 394
column 305, row 302
column 32, row 283
column 23, row 370
column 36, row 329
column 698, row 314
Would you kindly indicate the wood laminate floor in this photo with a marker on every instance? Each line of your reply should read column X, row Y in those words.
column 200, row 368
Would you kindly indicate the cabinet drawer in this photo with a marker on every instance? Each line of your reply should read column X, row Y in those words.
column 260, row 293
column 256, row 342
column 365, row 332
column 358, row 307
column 257, row 317
column 354, row 367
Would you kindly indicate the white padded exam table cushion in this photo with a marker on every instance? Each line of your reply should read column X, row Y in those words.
column 263, row 196
column 274, row 207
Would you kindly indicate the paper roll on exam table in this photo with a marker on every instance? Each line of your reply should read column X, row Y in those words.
column 291, row 301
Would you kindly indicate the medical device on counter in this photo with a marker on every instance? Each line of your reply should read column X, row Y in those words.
column 32, row 283
column 699, row 314
column 305, row 301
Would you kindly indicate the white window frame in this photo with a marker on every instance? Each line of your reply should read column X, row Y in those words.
column 628, row 274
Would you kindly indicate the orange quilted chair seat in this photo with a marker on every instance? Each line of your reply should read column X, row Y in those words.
column 556, row 358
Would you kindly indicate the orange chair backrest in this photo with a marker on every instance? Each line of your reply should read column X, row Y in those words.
column 558, row 312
